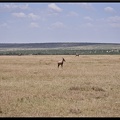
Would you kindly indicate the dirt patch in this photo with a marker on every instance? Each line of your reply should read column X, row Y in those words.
column 97, row 89
column 1, row 110
column 75, row 111
column 86, row 88
column 88, row 92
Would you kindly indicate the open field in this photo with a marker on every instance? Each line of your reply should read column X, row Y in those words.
column 86, row 86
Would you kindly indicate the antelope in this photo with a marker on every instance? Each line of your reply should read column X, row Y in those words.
column 61, row 62
column 77, row 54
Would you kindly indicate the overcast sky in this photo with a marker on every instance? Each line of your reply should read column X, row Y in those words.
column 59, row 22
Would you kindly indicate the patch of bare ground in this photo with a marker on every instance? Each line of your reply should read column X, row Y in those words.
column 75, row 111
column 88, row 92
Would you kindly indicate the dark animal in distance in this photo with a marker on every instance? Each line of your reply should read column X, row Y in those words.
column 77, row 54
column 61, row 62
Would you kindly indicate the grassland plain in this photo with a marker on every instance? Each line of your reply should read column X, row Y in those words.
column 86, row 86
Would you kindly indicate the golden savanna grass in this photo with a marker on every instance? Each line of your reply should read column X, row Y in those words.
column 86, row 86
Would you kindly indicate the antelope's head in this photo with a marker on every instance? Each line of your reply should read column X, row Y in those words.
column 63, row 59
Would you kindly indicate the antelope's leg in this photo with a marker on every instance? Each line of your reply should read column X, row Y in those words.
column 58, row 65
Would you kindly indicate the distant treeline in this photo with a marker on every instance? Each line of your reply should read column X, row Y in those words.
column 60, row 52
column 59, row 48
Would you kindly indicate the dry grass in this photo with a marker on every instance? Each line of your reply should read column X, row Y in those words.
column 86, row 86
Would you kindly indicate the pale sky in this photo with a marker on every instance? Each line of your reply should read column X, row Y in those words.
column 42, row 22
